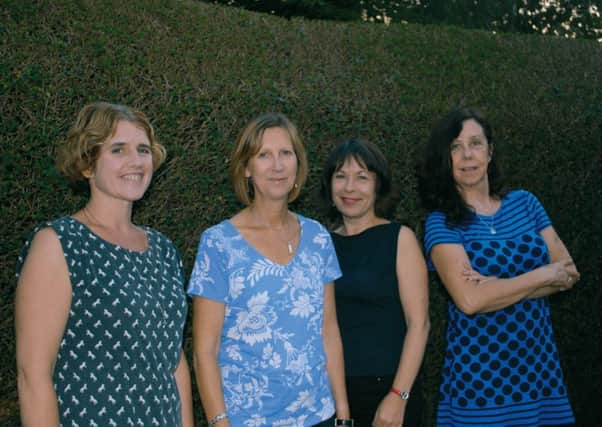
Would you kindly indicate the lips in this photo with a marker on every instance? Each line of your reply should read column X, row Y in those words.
column 133, row 177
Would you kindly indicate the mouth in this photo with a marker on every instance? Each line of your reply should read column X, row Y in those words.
column 469, row 169
column 135, row 177
column 349, row 200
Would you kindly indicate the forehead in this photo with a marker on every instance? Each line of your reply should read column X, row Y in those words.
column 126, row 131
column 275, row 136
column 352, row 163
column 471, row 128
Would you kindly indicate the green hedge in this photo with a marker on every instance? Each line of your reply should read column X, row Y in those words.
column 201, row 71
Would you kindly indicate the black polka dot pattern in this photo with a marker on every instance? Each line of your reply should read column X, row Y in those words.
column 503, row 365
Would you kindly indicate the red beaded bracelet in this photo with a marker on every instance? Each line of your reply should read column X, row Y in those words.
column 405, row 395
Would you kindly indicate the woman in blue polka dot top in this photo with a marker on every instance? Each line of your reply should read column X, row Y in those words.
column 498, row 256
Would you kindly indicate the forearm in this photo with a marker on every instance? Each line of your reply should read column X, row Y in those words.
column 412, row 354
column 182, row 376
column 494, row 294
column 209, row 384
column 335, row 367
column 37, row 402
column 544, row 292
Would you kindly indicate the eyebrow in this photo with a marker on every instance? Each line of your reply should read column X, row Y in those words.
column 122, row 143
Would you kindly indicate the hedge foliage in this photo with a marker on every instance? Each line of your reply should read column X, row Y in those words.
column 201, row 71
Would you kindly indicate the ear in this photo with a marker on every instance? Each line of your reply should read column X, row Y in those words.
column 88, row 173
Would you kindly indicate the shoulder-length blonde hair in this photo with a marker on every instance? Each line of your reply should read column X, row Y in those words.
column 249, row 143
column 94, row 125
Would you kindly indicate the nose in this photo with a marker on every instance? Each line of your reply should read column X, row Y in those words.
column 467, row 152
column 348, row 184
column 135, row 158
column 278, row 163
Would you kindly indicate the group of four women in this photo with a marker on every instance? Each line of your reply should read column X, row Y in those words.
column 100, row 304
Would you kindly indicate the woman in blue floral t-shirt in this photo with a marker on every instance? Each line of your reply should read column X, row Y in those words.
column 266, row 341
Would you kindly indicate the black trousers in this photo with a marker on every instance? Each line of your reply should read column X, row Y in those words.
column 366, row 393
column 326, row 423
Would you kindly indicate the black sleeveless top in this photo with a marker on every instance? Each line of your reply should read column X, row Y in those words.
column 369, row 311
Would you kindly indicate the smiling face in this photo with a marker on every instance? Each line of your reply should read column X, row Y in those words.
column 470, row 155
column 124, row 167
column 273, row 168
column 354, row 189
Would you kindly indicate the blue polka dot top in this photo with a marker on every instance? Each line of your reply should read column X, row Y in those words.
column 501, row 368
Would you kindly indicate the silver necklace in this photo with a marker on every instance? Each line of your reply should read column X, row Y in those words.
column 490, row 226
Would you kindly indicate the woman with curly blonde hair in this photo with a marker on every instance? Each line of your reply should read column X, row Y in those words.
column 100, row 303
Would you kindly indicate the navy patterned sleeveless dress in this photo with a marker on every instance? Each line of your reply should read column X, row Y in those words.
column 123, row 336
column 501, row 368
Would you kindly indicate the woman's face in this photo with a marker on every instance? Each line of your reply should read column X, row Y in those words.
column 124, row 167
column 470, row 155
column 273, row 168
column 354, row 189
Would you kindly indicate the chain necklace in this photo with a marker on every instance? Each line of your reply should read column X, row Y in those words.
column 287, row 239
column 289, row 231
column 490, row 225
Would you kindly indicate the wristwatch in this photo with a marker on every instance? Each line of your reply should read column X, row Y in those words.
column 343, row 422
column 405, row 395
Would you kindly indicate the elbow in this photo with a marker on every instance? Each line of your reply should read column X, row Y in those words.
column 467, row 305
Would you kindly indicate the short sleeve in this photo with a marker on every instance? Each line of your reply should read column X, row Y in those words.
column 537, row 212
column 436, row 232
column 332, row 269
column 209, row 278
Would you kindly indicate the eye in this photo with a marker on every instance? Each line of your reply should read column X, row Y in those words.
column 454, row 147
column 288, row 153
column 117, row 150
column 144, row 149
column 339, row 175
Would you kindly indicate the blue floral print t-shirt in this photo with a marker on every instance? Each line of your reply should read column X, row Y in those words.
column 272, row 361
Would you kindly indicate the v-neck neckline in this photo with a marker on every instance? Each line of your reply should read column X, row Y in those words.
column 263, row 256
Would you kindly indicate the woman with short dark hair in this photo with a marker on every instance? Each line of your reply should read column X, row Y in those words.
column 382, row 297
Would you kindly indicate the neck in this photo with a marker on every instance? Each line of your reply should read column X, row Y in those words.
column 479, row 199
column 116, row 216
column 353, row 226
column 273, row 215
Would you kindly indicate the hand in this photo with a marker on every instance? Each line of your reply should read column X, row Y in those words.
column 564, row 274
column 390, row 412
column 474, row 276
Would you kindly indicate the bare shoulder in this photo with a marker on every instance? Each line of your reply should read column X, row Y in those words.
column 406, row 237
column 45, row 244
column 45, row 262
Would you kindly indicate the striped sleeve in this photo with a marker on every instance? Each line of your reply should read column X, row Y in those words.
column 537, row 212
column 436, row 232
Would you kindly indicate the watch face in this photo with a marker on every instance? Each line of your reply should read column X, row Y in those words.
column 404, row 395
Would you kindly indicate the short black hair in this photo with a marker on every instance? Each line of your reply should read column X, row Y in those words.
column 367, row 155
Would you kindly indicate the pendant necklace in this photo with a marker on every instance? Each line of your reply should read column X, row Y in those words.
column 289, row 243
column 490, row 226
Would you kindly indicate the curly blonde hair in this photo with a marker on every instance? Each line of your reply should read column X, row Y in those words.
column 94, row 125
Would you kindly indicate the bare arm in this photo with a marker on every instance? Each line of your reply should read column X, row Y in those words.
column 413, row 293
column 182, row 375
column 333, row 347
column 558, row 253
column 42, row 306
column 472, row 296
column 207, row 325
